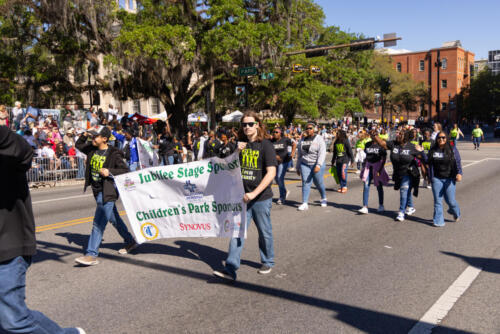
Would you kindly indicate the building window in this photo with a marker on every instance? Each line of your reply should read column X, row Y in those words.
column 421, row 66
column 444, row 106
column 136, row 107
column 155, row 106
column 398, row 67
column 444, row 63
column 444, row 83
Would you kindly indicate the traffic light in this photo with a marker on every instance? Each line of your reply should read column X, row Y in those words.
column 314, row 70
column 313, row 54
column 368, row 45
column 297, row 68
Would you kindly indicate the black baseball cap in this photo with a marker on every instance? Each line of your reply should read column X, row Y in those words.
column 104, row 132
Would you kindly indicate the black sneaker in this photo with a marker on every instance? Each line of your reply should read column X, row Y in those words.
column 265, row 269
column 225, row 274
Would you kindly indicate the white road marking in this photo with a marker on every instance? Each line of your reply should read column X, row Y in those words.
column 445, row 303
column 388, row 247
column 59, row 199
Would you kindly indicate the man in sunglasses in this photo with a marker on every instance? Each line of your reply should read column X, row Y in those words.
column 285, row 150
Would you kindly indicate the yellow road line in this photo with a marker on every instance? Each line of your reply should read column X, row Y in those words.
column 72, row 222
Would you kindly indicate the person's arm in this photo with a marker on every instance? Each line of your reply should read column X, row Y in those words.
column 482, row 134
column 14, row 148
column 460, row 133
column 118, row 136
column 458, row 161
column 82, row 145
column 294, row 148
column 376, row 138
column 266, row 181
column 321, row 153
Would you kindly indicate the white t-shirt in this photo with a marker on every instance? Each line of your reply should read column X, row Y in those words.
column 47, row 152
column 112, row 112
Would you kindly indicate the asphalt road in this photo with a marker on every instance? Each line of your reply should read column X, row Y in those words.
column 336, row 271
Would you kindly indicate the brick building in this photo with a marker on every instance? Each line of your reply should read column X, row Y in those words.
column 444, row 81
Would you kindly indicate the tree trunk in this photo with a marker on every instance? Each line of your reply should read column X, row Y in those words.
column 178, row 120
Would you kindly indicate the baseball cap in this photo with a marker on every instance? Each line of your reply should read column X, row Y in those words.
column 104, row 132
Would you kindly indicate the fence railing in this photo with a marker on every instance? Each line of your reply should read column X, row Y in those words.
column 48, row 171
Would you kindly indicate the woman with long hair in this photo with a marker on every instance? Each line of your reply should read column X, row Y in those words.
column 406, row 175
column 311, row 165
column 342, row 157
column 258, row 169
column 445, row 169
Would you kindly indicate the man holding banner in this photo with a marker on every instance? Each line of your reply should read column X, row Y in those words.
column 258, row 169
column 103, row 163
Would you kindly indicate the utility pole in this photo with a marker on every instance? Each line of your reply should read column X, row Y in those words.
column 213, row 123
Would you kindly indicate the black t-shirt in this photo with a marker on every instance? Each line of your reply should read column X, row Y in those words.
column 441, row 162
column 96, row 163
column 166, row 145
column 374, row 152
column 283, row 148
column 254, row 159
column 402, row 156
column 226, row 150
column 211, row 148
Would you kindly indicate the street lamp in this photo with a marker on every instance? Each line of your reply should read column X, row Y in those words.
column 438, row 65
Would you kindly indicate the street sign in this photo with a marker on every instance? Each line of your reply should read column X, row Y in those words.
column 359, row 114
column 390, row 43
column 248, row 71
column 297, row 68
column 378, row 99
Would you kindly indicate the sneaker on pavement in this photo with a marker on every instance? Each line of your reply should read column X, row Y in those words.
column 324, row 203
column 380, row 208
column 363, row 210
column 128, row 248
column 279, row 202
column 80, row 330
column 429, row 186
column 225, row 274
column 87, row 260
column 400, row 217
column 457, row 219
column 344, row 190
column 410, row 211
column 303, row 207
column 265, row 269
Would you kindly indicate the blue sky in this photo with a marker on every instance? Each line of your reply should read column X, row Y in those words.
column 423, row 24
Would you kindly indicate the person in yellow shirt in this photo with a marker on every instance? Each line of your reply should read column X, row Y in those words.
column 477, row 135
column 455, row 134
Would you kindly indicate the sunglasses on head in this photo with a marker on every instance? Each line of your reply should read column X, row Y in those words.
column 248, row 124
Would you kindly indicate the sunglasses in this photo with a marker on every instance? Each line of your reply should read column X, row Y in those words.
column 444, row 138
column 309, row 128
column 276, row 132
column 248, row 124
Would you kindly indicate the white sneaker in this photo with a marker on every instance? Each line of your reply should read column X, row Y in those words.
column 410, row 211
column 287, row 193
column 279, row 202
column 363, row 210
column 324, row 203
column 401, row 216
column 80, row 331
column 380, row 208
column 303, row 207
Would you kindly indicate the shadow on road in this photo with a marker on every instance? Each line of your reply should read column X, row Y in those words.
column 365, row 320
column 488, row 265
column 187, row 249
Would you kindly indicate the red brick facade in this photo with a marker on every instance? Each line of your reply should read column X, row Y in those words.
column 454, row 74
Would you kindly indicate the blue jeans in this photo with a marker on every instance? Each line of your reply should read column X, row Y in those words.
column 15, row 316
column 280, row 178
column 366, row 190
column 261, row 214
column 166, row 160
column 405, row 196
column 132, row 166
column 81, row 168
column 476, row 141
column 444, row 188
column 342, row 168
column 103, row 213
column 308, row 177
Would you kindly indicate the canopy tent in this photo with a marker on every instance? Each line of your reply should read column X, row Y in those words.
column 198, row 117
column 161, row 116
column 235, row 116
column 141, row 119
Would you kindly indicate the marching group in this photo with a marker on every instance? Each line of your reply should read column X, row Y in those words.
column 109, row 151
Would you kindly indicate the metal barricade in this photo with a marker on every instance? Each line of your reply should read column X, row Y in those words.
column 49, row 171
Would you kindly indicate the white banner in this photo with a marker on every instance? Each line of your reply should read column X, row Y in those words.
column 147, row 155
column 197, row 199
